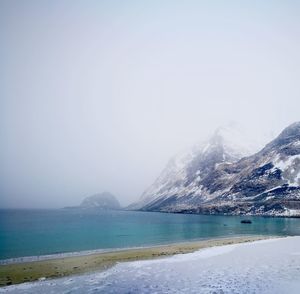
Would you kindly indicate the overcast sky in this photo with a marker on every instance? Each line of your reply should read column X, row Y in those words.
column 98, row 95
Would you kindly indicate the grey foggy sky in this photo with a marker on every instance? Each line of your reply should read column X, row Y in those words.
column 98, row 95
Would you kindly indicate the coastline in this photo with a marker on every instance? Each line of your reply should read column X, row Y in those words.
column 16, row 273
column 61, row 255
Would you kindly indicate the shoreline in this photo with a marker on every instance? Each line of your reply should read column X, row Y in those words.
column 61, row 255
column 16, row 273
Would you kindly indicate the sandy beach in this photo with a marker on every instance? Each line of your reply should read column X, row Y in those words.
column 60, row 267
column 263, row 267
column 270, row 266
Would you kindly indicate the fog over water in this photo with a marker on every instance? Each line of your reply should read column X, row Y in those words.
column 98, row 95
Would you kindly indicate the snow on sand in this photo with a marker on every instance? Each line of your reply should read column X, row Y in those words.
column 269, row 266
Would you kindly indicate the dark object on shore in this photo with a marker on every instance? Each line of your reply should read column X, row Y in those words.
column 246, row 221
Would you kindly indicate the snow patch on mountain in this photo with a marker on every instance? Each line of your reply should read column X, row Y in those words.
column 290, row 167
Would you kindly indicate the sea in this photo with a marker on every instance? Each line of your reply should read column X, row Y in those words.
column 39, row 232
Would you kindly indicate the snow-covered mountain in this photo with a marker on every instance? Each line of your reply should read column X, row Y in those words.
column 185, row 172
column 220, row 176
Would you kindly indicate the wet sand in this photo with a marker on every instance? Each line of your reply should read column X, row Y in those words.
column 59, row 267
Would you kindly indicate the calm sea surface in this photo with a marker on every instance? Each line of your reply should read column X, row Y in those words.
column 41, row 232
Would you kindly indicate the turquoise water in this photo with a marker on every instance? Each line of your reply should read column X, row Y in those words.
column 41, row 232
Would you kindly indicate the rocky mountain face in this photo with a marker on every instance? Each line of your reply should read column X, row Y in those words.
column 220, row 176
column 103, row 200
column 185, row 172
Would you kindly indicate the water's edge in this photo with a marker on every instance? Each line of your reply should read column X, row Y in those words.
column 61, row 255
column 19, row 273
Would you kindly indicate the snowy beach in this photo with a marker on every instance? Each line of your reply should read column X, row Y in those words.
column 267, row 266
column 54, row 266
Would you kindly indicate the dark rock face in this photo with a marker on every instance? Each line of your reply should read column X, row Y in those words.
column 104, row 200
column 250, row 186
column 216, row 181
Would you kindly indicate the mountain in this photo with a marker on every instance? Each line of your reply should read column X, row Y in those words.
column 103, row 200
column 221, row 176
column 185, row 173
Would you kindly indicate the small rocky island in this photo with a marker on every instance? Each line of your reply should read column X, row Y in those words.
column 103, row 200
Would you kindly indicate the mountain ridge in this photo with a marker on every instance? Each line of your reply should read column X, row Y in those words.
column 220, row 180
